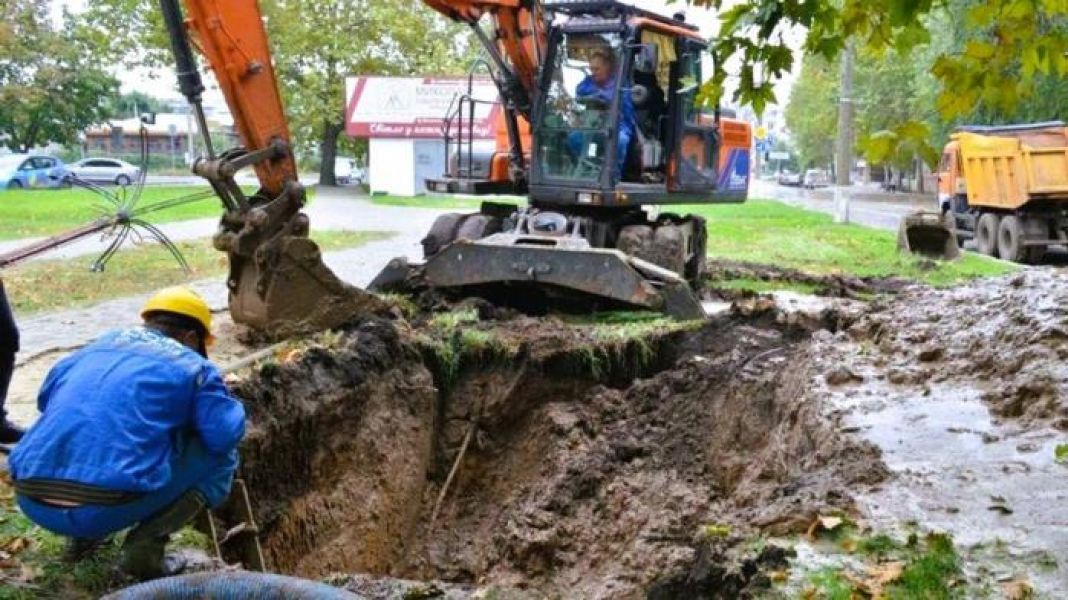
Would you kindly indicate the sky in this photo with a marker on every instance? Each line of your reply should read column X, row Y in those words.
column 150, row 82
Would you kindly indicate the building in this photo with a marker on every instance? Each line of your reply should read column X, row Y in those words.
column 170, row 135
column 405, row 120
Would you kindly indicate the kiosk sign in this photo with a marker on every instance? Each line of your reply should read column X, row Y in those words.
column 413, row 107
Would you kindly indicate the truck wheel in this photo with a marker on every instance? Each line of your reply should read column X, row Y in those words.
column 1011, row 239
column 986, row 234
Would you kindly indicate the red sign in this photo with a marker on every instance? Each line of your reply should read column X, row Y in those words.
column 412, row 107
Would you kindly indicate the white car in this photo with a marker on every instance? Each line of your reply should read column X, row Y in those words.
column 105, row 170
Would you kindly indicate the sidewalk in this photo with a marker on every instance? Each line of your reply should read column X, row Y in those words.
column 333, row 209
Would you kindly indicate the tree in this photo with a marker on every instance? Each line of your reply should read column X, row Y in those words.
column 136, row 103
column 48, row 91
column 1007, row 45
column 811, row 113
column 323, row 42
column 316, row 44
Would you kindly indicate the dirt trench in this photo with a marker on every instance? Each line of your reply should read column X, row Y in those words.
column 594, row 468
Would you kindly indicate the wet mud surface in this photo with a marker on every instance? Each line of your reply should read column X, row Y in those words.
column 592, row 465
column 965, row 391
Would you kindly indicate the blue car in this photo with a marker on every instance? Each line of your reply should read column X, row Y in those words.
column 27, row 171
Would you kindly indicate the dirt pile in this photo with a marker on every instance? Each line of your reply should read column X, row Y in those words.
column 1008, row 336
column 594, row 465
column 840, row 286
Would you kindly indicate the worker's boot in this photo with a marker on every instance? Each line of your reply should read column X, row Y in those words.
column 142, row 553
column 79, row 549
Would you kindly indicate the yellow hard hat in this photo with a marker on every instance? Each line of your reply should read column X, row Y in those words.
column 181, row 300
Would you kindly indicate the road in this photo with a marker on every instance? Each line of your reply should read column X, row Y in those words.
column 880, row 214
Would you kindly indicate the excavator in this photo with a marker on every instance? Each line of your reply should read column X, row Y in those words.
column 595, row 166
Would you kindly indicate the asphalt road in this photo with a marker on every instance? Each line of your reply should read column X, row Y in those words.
column 880, row 214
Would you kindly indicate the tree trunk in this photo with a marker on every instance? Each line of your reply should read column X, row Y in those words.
column 328, row 152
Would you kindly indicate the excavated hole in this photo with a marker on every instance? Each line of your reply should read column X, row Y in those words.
column 595, row 467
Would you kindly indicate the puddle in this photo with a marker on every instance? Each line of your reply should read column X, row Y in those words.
column 990, row 486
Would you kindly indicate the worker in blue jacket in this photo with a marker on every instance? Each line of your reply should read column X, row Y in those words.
column 600, row 85
column 136, row 430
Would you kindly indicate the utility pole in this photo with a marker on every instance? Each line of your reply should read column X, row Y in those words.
column 844, row 148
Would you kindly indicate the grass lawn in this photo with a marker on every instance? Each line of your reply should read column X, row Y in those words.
column 56, row 284
column 447, row 202
column 32, row 213
column 768, row 232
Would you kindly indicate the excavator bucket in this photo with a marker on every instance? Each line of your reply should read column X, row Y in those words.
column 509, row 269
column 288, row 290
column 927, row 234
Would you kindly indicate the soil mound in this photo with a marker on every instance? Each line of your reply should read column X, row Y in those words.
column 567, row 476
column 1008, row 336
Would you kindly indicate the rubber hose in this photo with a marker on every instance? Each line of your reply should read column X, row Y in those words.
column 232, row 585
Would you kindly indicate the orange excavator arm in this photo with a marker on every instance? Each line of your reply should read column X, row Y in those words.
column 517, row 44
column 278, row 282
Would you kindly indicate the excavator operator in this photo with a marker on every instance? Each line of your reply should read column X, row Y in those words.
column 599, row 87
column 136, row 429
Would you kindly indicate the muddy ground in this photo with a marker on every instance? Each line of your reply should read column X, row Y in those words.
column 644, row 464
column 595, row 466
column 481, row 451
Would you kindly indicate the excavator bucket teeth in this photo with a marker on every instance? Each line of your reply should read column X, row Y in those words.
column 525, row 275
column 287, row 290
column 928, row 234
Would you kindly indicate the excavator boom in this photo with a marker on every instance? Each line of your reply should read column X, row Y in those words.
column 277, row 281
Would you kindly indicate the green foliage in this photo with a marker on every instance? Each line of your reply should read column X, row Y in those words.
column 812, row 113
column 1060, row 453
column 49, row 92
column 930, row 572
column 830, row 584
column 1007, row 44
column 134, row 104
column 316, row 45
column 768, row 232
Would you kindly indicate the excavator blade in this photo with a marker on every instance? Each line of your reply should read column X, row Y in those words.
column 286, row 289
column 928, row 234
column 507, row 271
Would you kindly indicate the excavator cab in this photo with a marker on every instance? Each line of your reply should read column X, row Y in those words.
column 614, row 127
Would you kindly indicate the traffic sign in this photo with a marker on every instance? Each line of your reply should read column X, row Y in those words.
column 762, row 146
column 779, row 156
column 761, row 132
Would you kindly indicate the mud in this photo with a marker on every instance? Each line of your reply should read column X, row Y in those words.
column 964, row 391
column 839, row 286
column 1008, row 337
column 597, row 466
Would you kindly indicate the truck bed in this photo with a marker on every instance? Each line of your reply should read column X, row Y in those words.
column 1015, row 167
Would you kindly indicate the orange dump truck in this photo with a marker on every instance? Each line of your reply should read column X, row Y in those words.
column 1007, row 187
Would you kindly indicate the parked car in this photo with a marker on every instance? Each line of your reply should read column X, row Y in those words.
column 106, row 170
column 815, row 178
column 343, row 169
column 788, row 178
column 25, row 171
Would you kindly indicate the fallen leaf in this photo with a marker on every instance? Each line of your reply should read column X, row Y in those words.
column 831, row 523
column 1001, row 508
column 1018, row 589
column 779, row 576
column 16, row 545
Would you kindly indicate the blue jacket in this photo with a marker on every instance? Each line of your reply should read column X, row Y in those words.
column 627, row 120
column 111, row 413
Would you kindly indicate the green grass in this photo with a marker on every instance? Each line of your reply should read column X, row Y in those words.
column 768, row 232
column 760, row 286
column 32, row 565
column 32, row 213
column 443, row 202
column 56, row 284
